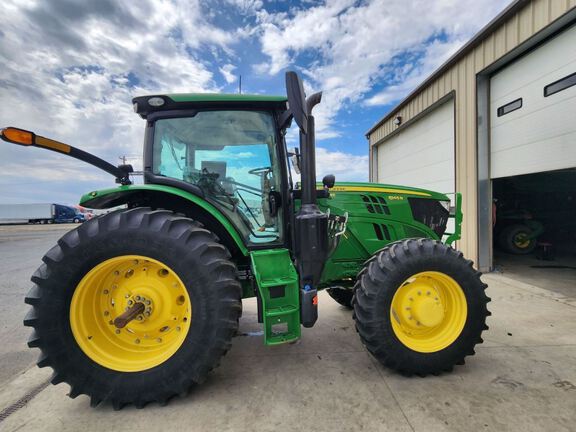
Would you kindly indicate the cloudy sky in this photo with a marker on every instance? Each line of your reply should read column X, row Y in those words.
column 69, row 69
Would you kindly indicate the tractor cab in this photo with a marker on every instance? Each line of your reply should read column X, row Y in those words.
column 231, row 158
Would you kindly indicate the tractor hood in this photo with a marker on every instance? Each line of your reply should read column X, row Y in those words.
column 390, row 190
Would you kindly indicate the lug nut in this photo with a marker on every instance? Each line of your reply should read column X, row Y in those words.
column 137, row 341
column 105, row 291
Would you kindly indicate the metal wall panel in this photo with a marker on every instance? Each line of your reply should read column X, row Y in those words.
column 461, row 78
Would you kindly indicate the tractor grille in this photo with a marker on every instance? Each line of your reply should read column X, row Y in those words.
column 381, row 231
column 431, row 213
column 375, row 204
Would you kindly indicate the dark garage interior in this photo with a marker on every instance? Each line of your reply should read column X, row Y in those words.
column 535, row 228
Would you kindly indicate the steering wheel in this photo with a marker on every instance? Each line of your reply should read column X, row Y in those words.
column 260, row 171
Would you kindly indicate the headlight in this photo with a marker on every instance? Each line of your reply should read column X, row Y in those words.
column 156, row 101
column 445, row 204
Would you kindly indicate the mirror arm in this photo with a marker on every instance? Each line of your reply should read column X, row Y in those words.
column 285, row 119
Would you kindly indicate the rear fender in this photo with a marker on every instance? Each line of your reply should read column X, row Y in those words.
column 169, row 198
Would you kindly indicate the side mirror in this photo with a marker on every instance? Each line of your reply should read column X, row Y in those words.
column 297, row 100
column 328, row 181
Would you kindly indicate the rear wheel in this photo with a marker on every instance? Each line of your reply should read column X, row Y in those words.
column 341, row 295
column 420, row 307
column 134, row 307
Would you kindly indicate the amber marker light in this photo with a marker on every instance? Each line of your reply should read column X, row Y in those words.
column 17, row 136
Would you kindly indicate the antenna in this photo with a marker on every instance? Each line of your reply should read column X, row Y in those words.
column 240, row 85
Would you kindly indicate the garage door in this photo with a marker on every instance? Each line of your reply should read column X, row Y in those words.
column 533, row 111
column 422, row 155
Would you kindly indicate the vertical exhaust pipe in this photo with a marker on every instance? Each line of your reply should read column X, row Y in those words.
column 311, row 245
column 308, row 152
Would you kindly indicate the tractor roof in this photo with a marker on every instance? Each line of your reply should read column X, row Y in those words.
column 145, row 105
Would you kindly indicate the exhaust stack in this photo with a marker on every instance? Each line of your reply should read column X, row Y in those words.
column 311, row 246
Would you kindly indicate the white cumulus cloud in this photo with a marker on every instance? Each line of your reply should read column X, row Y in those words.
column 348, row 45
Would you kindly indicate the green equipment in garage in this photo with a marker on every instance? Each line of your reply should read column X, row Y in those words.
column 140, row 304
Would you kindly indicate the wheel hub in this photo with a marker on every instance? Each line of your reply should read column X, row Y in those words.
column 421, row 306
column 130, row 313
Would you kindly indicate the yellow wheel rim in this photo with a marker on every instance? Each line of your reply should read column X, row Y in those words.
column 428, row 312
column 521, row 241
column 114, row 286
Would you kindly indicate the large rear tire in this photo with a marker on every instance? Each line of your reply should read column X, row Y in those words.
column 171, row 265
column 420, row 307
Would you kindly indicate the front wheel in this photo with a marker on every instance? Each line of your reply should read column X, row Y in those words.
column 420, row 307
column 134, row 307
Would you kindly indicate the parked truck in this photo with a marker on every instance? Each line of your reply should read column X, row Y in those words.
column 39, row 213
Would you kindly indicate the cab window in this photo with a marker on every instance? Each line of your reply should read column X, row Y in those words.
column 231, row 156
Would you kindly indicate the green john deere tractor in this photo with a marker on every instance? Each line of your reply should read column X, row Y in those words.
column 140, row 304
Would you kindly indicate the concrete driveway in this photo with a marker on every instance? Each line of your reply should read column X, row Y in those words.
column 522, row 378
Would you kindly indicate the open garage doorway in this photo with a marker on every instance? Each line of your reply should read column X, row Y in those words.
column 535, row 229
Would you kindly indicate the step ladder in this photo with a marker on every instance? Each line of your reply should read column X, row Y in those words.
column 277, row 282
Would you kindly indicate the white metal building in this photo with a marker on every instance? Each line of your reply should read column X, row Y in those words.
column 502, row 106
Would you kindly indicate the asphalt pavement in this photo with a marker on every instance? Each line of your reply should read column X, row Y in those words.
column 21, row 251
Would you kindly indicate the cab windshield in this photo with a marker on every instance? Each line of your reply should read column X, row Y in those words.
column 231, row 156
